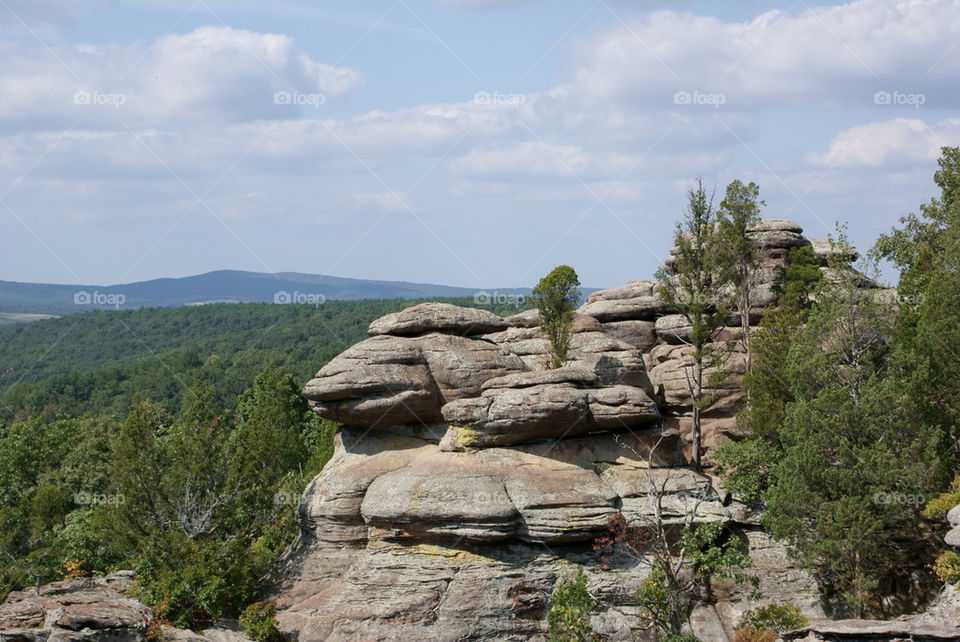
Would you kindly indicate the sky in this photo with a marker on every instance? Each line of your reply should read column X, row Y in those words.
column 476, row 143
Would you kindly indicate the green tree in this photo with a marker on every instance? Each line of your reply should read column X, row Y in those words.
column 696, row 291
column 556, row 297
column 739, row 255
column 568, row 619
column 747, row 465
column 848, row 447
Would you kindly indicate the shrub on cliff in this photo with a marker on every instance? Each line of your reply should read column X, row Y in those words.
column 570, row 607
column 556, row 297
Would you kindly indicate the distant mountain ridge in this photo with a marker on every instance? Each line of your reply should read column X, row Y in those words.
column 227, row 286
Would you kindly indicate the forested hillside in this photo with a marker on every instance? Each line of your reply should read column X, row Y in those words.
column 94, row 362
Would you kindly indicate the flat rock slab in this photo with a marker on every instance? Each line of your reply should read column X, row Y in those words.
column 438, row 317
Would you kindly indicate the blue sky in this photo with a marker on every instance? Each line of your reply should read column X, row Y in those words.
column 467, row 142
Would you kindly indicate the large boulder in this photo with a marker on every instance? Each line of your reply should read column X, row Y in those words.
column 86, row 608
column 386, row 380
column 829, row 252
column 438, row 317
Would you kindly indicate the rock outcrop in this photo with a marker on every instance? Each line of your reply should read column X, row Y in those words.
column 468, row 478
column 95, row 609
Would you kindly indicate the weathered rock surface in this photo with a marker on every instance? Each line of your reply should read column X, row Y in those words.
column 77, row 609
column 88, row 609
column 470, row 475
column 828, row 251
column 437, row 317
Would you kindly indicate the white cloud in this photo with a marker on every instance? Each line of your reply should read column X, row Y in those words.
column 900, row 142
column 211, row 73
column 819, row 55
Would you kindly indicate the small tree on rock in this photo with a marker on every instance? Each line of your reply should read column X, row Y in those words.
column 696, row 290
column 738, row 255
column 556, row 297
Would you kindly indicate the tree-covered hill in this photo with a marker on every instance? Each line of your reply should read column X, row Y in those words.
column 233, row 286
column 93, row 362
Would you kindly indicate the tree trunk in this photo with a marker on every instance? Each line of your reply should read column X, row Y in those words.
column 698, row 395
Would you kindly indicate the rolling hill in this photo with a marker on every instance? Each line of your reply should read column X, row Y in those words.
column 224, row 286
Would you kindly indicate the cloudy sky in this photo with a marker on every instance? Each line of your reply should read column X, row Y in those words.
column 465, row 142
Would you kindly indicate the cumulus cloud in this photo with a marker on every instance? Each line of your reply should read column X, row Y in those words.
column 893, row 143
column 819, row 55
column 211, row 73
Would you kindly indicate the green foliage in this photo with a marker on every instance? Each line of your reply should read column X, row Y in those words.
column 260, row 623
column 702, row 554
column 938, row 507
column 192, row 583
column 556, row 298
column 738, row 257
column 947, row 567
column 780, row 617
column 696, row 290
column 714, row 554
column 570, row 607
column 104, row 358
column 850, row 408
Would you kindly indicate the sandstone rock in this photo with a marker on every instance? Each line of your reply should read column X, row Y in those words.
column 632, row 290
column 673, row 328
column 511, row 416
column 775, row 225
column 438, row 317
column 952, row 538
column 644, row 308
column 525, row 319
column 843, row 275
column 386, row 381
column 953, row 516
column 560, row 503
column 619, row 407
column 383, row 380
column 639, row 334
column 460, row 366
column 679, row 493
column 531, row 319
column 777, row 239
column 87, row 608
column 576, row 376
column 672, row 374
column 828, row 251
column 613, row 361
column 443, row 495
column 330, row 509
column 875, row 630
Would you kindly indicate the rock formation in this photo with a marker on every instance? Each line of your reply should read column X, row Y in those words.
column 468, row 477
column 92, row 609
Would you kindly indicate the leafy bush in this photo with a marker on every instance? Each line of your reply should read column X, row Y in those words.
column 785, row 616
column 260, row 622
column 556, row 298
column 938, row 507
column 947, row 567
column 570, row 607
